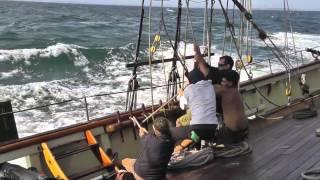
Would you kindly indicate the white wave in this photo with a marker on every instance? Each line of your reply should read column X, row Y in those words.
column 56, row 50
column 170, row 10
column 302, row 41
column 6, row 75
column 95, row 23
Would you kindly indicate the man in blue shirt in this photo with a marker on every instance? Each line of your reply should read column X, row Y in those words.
column 156, row 150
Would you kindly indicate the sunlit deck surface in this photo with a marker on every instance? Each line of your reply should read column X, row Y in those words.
column 282, row 149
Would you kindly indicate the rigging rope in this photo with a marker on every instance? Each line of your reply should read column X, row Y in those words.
column 171, row 44
column 263, row 36
column 249, row 55
column 177, row 54
column 131, row 100
column 174, row 74
column 235, row 44
column 150, row 55
column 286, row 48
column 232, row 26
column 161, row 47
column 229, row 151
column 241, row 32
column 209, row 35
column 185, row 46
column 157, row 110
column 312, row 174
column 225, row 30
column 292, row 36
column 205, row 31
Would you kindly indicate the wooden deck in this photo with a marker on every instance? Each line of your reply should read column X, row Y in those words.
column 282, row 149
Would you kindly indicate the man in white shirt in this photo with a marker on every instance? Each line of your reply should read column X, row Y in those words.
column 201, row 100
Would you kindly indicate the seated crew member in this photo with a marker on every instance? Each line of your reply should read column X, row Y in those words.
column 200, row 98
column 236, row 123
column 156, row 152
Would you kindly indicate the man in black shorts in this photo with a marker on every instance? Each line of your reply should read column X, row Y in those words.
column 236, row 123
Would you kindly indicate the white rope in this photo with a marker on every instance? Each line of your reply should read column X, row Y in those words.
column 241, row 32
column 161, row 47
column 185, row 49
column 233, row 150
column 162, row 106
column 136, row 122
column 205, row 23
column 225, row 30
column 286, row 45
column 209, row 32
column 188, row 159
column 189, row 20
column 312, row 174
column 150, row 55
column 249, row 37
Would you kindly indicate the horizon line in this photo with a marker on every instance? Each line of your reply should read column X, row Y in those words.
column 79, row 3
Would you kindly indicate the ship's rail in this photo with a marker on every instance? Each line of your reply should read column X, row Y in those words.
column 296, row 59
column 245, row 85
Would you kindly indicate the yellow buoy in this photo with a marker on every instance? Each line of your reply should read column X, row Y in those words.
column 249, row 59
column 152, row 49
column 157, row 38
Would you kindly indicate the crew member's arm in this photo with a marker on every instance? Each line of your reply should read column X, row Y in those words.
column 199, row 59
column 209, row 72
column 143, row 133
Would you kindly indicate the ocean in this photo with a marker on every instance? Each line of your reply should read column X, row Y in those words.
column 51, row 53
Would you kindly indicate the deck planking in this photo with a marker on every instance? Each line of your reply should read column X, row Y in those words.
column 282, row 149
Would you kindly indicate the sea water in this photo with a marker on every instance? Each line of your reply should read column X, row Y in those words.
column 51, row 53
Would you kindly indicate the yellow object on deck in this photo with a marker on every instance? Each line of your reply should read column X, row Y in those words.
column 185, row 119
column 52, row 164
column 288, row 89
column 91, row 140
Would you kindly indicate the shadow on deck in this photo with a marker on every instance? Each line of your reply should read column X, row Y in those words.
column 282, row 149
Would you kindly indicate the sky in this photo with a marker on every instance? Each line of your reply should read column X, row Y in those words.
column 257, row 4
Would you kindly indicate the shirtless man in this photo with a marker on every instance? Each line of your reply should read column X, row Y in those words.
column 236, row 123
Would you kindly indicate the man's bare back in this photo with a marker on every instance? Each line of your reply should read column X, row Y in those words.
column 232, row 105
column 234, row 116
